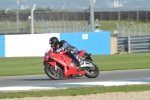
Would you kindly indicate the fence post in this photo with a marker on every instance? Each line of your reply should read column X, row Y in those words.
column 137, row 16
column 17, row 15
column 8, row 26
column 109, row 15
column 129, row 44
column 140, row 29
column 51, row 26
column 59, row 24
column 92, row 14
column 69, row 26
column 146, row 28
column 123, row 28
column 117, row 28
column 134, row 28
column 32, row 19
column 119, row 15
column 146, row 16
column 55, row 26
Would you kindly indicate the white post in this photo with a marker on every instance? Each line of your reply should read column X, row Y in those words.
column 140, row 29
column 134, row 28
column 146, row 29
column 123, row 27
column 92, row 14
column 129, row 44
column 32, row 19
column 117, row 28
column 17, row 15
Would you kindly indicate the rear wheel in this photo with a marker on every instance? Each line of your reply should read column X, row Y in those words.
column 92, row 72
column 53, row 73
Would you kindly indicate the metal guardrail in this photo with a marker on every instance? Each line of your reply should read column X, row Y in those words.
column 134, row 44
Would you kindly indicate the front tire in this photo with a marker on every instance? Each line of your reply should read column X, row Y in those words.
column 92, row 73
column 51, row 72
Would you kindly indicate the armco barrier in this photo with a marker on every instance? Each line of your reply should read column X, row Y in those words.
column 27, row 45
column 2, row 46
column 134, row 44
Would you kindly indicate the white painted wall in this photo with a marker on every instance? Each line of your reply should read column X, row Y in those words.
column 27, row 44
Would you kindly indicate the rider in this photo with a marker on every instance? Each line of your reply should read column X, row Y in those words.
column 64, row 45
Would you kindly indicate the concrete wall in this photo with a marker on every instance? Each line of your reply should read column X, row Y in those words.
column 96, row 43
column 27, row 45
column 2, row 46
column 113, row 45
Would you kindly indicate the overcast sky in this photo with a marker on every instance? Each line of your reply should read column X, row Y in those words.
column 74, row 4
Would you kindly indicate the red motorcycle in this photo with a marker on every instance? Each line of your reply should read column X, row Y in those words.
column 60, row 65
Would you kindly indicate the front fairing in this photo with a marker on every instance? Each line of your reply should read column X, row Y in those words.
column 47, row 55
column 60, row 58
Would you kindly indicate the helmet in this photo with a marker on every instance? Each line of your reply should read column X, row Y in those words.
column 54, row 41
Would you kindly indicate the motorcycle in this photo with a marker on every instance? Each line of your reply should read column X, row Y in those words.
column 60, row 65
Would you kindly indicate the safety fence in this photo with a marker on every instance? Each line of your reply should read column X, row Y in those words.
column 133, row 44
column 42, row 26
column 76, row 16
column 62, row 21
column 60, row 26
column 132, row 29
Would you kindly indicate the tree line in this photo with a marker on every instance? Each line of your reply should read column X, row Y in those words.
column 38, row 10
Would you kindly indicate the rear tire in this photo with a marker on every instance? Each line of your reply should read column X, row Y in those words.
column 92, row 73
column 52, row 73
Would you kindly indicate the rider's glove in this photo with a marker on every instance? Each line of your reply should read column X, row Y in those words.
column 58, row 50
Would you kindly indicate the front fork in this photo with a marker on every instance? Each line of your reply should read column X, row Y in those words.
column 87, row 57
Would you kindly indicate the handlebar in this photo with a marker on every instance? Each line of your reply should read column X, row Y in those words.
column 61, row 52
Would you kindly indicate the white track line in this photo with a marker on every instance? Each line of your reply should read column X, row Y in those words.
column 21, row 88
column 108, row 83
column 67, row 85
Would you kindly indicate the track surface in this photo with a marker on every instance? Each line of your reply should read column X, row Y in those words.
column 140, row 75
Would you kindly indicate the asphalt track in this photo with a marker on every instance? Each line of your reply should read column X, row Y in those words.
column 106, row 78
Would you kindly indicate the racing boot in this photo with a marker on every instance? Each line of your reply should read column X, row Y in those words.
column 80, row 61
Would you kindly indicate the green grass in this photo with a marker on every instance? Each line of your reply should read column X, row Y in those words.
column 75, row 91
column 33, row 65
column 6, row 26
column 21, row 66
column 123, row 61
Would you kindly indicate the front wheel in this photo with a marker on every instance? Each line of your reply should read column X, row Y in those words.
column 53, row 73
column 92, row 72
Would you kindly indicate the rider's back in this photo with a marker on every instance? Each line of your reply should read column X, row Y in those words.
column 64, row 44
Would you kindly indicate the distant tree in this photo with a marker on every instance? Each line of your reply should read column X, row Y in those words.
column 25, row 11
column 38, row 10
column 44, row 10
column 2, row 11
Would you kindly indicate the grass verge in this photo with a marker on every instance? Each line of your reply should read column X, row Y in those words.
column 75, row 91
column 33, row 65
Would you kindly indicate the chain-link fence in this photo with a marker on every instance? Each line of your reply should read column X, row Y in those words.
column 43, row 22
column 7, row 27
column 132, row 29
column 68, row 21
column 42, row 26
column 10, row 24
